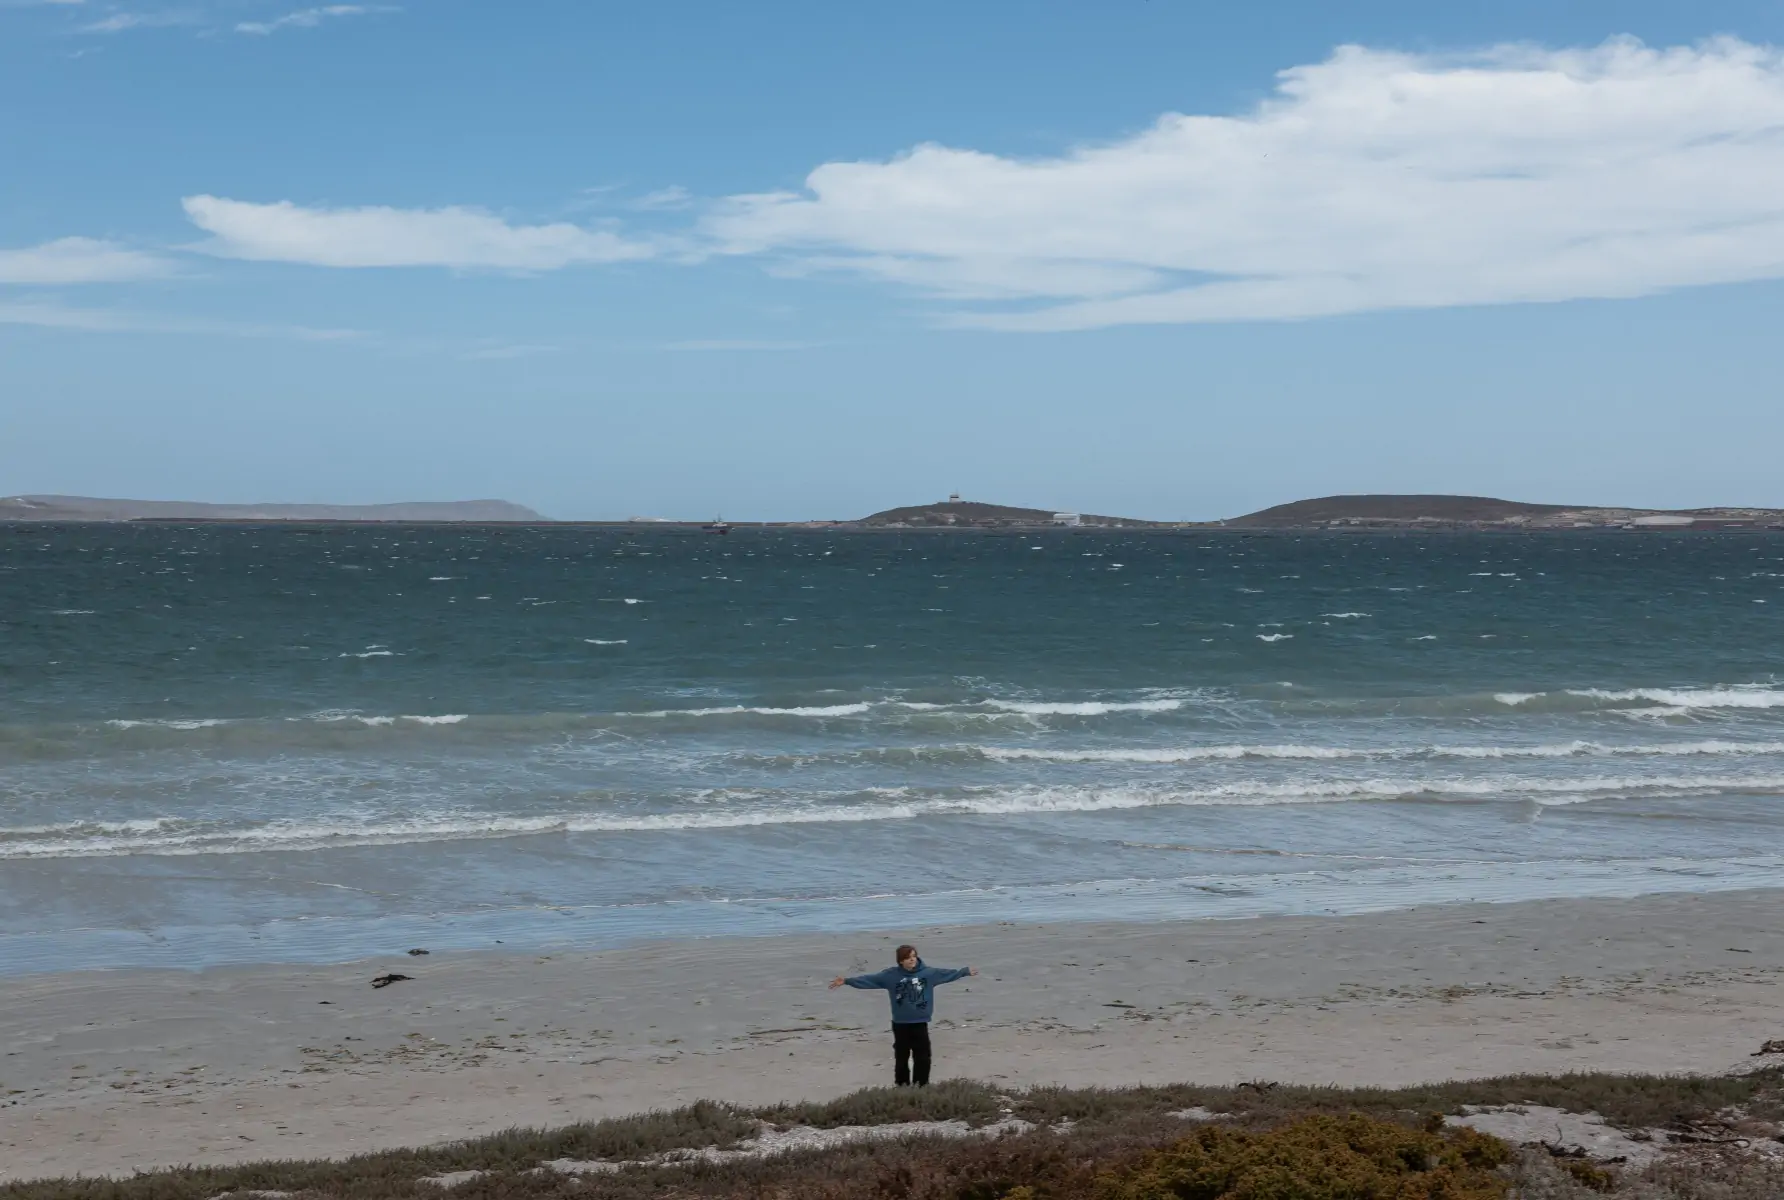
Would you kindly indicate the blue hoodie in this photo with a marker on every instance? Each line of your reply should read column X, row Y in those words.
column 913, row 992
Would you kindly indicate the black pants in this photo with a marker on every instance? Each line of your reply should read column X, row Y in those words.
column 910, row 1052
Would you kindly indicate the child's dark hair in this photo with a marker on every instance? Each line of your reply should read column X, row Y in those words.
column 905, row 952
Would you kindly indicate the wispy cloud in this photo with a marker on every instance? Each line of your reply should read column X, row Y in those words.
column 400, row 237
column 79, row 260
column 50, row 315
column 507, row 350
column 674, row 196
column 1369, row 181
column 740, row 344
column 119, row 22
column 309, row 18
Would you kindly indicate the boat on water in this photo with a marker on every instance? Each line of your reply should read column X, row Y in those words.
column 719, row 526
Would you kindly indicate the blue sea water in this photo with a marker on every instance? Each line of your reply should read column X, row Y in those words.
column 249, row 743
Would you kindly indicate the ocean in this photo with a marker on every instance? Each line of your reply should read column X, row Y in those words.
column 230, row 744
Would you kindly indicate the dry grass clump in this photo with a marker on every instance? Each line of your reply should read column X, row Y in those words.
column 1538, row 1176
column 1352, row 1157
column 1709, row 1177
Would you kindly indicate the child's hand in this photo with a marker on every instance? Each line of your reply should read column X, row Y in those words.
column 972, row 970
column 837, row 982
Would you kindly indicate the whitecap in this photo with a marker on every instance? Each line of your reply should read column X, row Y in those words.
column 1085, row 708
column 605, row 641
column 1274, row 637
column 825, row 710
column 1737, row 696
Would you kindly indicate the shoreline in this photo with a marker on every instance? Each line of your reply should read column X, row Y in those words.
column 109, row 1072
column 315, row 942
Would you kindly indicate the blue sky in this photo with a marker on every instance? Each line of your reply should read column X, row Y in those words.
column 808, row 260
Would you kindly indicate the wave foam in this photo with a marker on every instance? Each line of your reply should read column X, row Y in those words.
column 1575, row 749
column 169, row 723
column 819, row 710
column 334, row 717
column 166, row 836
column 1738, row 696
column 1085, row 708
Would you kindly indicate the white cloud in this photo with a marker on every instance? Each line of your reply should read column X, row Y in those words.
column 78, row 260
column 399, row 237
column 309, row 18
column 1371, row 180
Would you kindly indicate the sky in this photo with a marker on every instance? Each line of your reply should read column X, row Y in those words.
column 806, row 260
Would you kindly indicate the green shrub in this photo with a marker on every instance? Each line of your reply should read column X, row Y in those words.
column 1352, row 1157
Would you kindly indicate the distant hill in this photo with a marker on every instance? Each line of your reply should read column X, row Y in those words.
column 1485, row 512
column 90, row 508
column 1326, row 509
column 971, row 514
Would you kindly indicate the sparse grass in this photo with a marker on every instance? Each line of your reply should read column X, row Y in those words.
column 1114, row 1130
column 394, row 1172
column 951, row 1100
column 1630, row 1101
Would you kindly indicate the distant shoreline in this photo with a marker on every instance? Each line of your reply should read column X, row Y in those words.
column 1368, row 513
column 699, row 527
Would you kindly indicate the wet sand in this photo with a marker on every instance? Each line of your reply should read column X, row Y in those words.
column 107, row 1072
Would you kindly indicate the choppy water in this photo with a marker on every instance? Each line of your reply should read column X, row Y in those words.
column 238, row 743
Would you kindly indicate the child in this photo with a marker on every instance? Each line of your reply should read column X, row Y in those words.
column 913, row 1004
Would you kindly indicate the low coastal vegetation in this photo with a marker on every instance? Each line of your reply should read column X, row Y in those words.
column 968, row 1141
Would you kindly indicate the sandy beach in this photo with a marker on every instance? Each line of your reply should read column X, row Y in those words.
column 116, row 1072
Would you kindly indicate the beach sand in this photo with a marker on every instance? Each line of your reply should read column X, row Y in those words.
column 107, row 1072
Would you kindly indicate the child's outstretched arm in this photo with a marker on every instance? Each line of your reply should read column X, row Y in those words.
column 950, row 974
column 860, row 981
